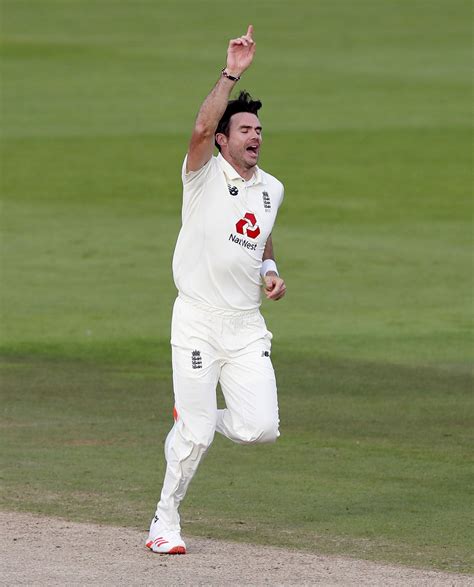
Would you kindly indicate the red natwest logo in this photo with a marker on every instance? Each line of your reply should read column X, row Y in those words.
column 247, row 226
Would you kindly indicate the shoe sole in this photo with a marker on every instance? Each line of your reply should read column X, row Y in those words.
column 174, row 550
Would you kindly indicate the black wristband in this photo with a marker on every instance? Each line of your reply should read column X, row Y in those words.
column 231, row 77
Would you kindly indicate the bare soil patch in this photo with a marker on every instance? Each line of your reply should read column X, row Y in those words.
column 49, row 551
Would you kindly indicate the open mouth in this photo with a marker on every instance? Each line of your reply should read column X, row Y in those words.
column 252, row 149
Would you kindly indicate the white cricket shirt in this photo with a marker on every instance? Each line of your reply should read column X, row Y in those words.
column 226, row 223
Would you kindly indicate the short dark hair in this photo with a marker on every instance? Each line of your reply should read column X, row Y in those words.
column 243, row 103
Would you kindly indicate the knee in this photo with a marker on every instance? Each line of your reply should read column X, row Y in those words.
column 264, row 432
column 203, row 437
column 199, row 433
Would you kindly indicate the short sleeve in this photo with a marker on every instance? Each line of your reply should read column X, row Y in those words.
column 195, row 184
column 282, row 194
column 200, row 176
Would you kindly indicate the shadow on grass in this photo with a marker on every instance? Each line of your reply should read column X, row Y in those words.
column 371, row 461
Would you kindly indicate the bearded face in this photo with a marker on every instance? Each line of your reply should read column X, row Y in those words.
column 242, row 146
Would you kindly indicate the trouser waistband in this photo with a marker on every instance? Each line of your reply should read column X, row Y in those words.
column 226, row 313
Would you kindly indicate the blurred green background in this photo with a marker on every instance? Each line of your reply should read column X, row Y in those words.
column 367, row 117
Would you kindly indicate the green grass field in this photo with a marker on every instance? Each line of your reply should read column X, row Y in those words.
column 367, row 117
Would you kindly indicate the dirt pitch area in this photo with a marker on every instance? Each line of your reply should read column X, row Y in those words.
column 48, row 551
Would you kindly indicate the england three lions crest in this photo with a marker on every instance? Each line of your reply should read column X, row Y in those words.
column 266, row 202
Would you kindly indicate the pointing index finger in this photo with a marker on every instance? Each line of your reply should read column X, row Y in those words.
column 249, row 31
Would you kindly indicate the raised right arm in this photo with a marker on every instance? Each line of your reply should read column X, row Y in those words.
column 239, row 57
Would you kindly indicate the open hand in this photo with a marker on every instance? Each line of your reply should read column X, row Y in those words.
column 240, row 53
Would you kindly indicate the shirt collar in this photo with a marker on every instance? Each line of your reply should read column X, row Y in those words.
column 231, row 173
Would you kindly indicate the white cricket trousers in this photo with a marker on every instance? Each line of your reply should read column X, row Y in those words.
column 211, row 346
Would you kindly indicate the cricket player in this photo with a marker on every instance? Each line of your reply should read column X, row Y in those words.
column 223, row 256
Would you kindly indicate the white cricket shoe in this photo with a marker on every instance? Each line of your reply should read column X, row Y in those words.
column 163, row 541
